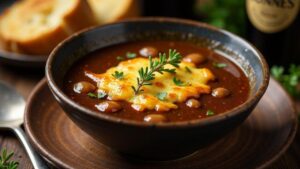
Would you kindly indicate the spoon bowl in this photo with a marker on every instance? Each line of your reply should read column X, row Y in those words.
column 12, row 106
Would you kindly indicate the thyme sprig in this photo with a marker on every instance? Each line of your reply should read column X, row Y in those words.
column 6, row 162
column 147, row 74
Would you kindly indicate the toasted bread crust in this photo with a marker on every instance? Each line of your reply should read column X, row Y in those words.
column 100, row 8
column 75, row 21
column 78, row 17
column 133, row 11
column 40, row 45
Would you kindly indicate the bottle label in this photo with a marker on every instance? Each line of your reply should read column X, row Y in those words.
column 271, row 16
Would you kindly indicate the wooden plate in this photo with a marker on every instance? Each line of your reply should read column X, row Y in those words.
column 16, row 59
column 258, row 142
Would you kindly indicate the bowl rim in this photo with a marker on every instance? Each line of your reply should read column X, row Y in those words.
column 181, row 124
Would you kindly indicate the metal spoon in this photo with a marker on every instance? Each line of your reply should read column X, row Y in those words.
column 12, row 107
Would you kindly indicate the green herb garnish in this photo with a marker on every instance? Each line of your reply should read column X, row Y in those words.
column 118, row 75
column 162, row 95
column 147, row 74
column 219, row 65
column 210, row 113
column 92, row 95
column 290, row 80
column 130, row 55
column 120, row 58
column 178, row 82
column 99, row 95
column 188, row 69
column 5, row 162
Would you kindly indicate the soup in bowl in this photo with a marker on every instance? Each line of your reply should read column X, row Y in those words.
column 157, row 88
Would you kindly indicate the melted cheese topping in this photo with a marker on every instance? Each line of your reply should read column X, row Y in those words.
column 121, row 89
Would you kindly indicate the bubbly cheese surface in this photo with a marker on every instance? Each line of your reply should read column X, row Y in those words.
column 195, row 80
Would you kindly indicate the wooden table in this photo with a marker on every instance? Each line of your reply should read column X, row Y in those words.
column 24, row 80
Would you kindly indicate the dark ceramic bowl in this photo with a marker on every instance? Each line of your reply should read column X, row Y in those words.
column 156, row 141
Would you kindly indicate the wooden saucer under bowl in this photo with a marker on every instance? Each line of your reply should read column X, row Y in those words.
column 258, row 142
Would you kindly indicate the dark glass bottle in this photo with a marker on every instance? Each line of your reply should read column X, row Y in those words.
column 274, row 28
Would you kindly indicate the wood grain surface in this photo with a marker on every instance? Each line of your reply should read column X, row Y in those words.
column 24, row 80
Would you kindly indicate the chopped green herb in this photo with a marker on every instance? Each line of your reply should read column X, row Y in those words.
column 120, row 58
column 162, row 95
column 5, row 162
column 178, row 82
column 118, row 75
column 147, row 74
column 101, row 95
column 188, row 69
column 210, row 113
column 92, row 95
column 130, row 55
column 219, row 65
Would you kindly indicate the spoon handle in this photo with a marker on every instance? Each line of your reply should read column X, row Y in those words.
column 36, row 160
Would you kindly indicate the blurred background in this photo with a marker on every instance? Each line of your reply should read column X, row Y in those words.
column 279, row 47
column 271, row 26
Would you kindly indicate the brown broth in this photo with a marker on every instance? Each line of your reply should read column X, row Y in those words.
column 231, row 77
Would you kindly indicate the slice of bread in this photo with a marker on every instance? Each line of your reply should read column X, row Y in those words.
column 113, row 10
column 37, row 26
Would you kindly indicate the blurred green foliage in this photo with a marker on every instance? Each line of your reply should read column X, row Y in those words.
column 289, row 80
column 226, row 14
